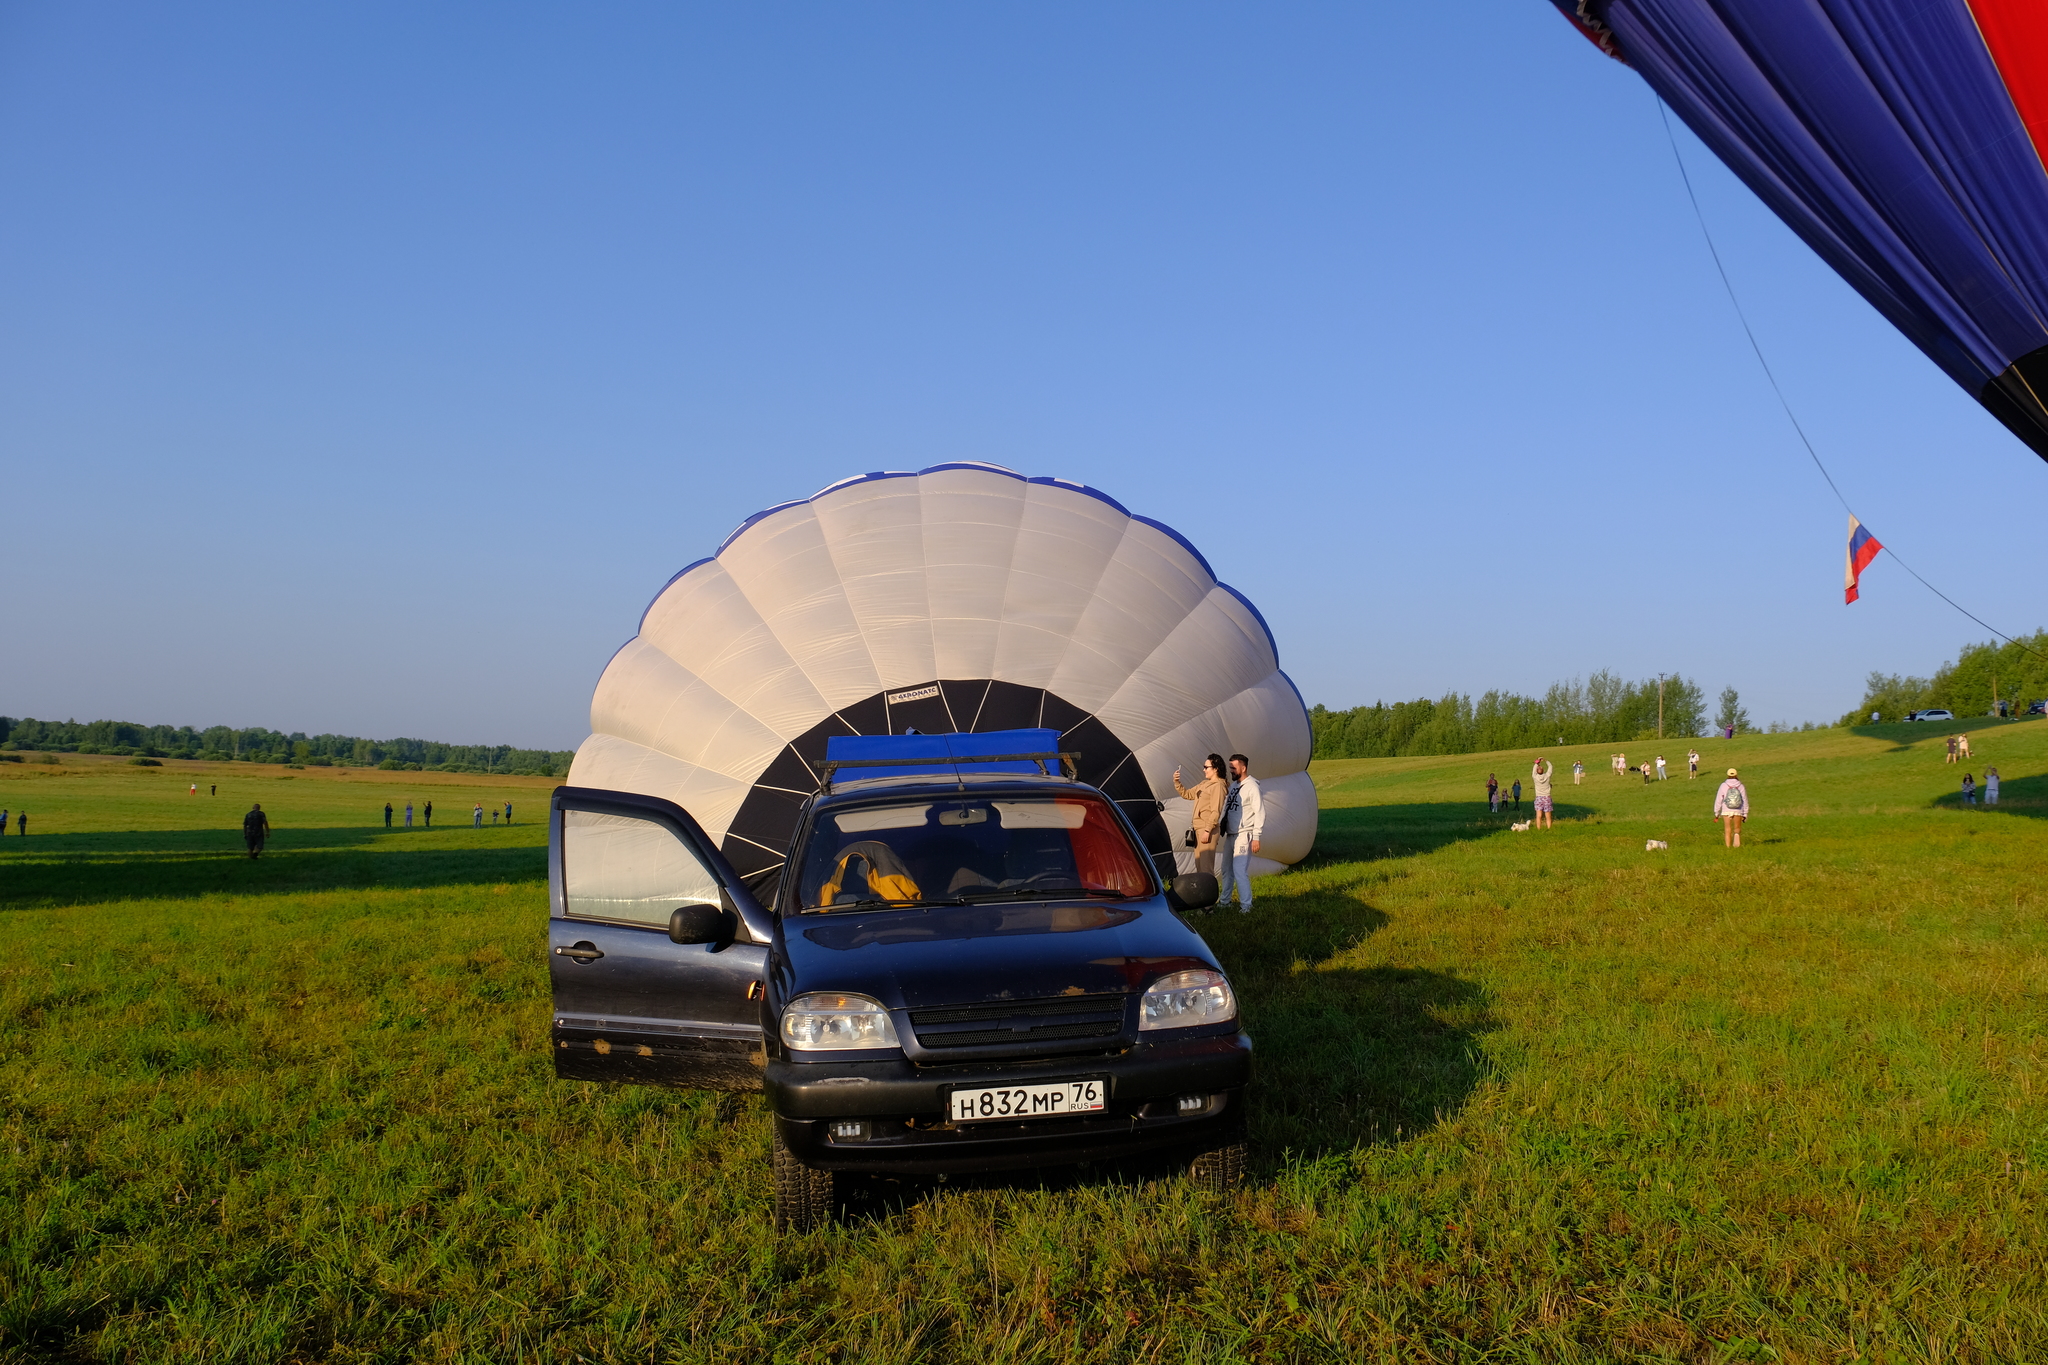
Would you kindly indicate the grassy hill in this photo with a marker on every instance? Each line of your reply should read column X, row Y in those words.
column 1535, row 1096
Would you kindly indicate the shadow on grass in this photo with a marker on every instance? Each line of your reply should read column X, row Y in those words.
column 2027, row 796
column 1356, row 834
column 74, row 869
column 1347, row 1057
column 1903, row 735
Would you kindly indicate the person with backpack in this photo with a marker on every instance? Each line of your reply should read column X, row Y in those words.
column 1731, row 808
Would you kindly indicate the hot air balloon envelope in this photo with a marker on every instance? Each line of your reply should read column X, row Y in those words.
column 1902, row 139
column 961, row 600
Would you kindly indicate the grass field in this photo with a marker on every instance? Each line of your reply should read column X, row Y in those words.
column 1532, row 1097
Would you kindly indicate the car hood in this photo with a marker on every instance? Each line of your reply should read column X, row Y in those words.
column 958, row 955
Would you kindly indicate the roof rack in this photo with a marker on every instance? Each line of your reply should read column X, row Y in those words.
column 829, row 769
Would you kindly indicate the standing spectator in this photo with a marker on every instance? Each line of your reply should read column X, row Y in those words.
column 1969, row 790
column 1951, row 748
column 1244, row 821
column 1692, row 759
column 213, row 789
column 1517, row 790
column 1963, row 745
column 479, row 814
column 255, row 829
column 494, row 813
column 1540, row 779
column 428, row 812
column 387, row 815
column 1578, row 772
column 1731, row 808
column 195, row 789
column 1660, row 768
column 408, row 815
column 1990, row 788
column 1620, row 765
column 1208, row 796
column 1728, row 732
column 20, row 824
column 508, row 812
column 1492, row 793
column 3, row 819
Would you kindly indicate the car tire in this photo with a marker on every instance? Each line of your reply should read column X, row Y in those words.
column 803, row 1197
column 1218, row 1168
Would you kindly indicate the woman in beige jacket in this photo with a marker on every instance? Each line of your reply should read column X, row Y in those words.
column 1208, row 795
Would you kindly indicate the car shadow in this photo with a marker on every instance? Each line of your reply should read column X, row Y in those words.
column 74, row 869
column 1347, row 1057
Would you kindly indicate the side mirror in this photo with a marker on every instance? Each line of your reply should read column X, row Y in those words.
column 1189, row 891
column 699, row 924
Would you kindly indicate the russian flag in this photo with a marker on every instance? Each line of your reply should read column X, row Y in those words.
column 1863, row 548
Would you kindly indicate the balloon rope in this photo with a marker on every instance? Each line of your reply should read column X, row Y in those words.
column 1664, row 113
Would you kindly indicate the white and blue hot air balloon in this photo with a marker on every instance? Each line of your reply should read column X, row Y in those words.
column 960, row 598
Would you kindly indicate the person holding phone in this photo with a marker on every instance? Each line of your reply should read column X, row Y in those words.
column 1208, row 796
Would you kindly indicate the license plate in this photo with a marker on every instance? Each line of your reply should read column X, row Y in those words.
column 1027, row 1101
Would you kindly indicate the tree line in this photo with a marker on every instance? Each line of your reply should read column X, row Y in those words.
column 1971, row 684
column 1604, row 709
column 224, row 743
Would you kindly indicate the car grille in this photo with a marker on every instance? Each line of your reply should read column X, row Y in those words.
column 1062, row 1019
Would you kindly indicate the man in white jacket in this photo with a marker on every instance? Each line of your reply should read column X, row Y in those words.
column 1244, row 820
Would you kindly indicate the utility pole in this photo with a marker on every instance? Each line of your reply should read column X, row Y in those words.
column 1660, row 706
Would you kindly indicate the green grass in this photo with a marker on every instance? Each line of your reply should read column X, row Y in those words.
column 1532, row 1097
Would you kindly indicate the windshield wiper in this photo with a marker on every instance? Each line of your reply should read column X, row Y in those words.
column 1037, row 892
column 876, row 903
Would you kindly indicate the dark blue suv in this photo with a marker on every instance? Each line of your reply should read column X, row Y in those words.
column 967, row 963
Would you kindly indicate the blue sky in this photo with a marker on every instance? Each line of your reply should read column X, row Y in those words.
column 366, row 368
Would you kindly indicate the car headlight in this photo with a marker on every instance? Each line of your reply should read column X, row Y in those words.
column 826, row 1021
column 1185, row 999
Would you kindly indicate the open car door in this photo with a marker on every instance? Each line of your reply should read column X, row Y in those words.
column 631, row 1002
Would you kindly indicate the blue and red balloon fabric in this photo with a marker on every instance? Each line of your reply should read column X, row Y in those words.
column 1902, row 139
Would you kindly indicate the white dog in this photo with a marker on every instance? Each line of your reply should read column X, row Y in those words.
column 1652, row 845
column 1524, row 825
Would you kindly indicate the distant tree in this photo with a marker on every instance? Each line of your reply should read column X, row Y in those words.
column 1731, row 712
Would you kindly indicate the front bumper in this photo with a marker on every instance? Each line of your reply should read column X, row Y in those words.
column 904, row 1107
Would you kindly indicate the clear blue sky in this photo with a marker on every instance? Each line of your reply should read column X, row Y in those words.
column 367, row 367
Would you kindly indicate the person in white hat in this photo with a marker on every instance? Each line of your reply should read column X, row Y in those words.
column 1731, row 808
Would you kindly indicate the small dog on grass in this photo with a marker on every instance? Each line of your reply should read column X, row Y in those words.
column 1652, row 845
column 1524, row 825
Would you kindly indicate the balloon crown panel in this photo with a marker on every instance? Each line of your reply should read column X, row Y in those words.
column 959, row 599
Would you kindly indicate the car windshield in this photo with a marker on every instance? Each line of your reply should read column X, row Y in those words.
column 964, row 850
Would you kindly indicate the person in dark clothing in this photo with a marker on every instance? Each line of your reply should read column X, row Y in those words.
column 213, row 789
column 20, row 823
column 429, row 813
column 255, row 829
column 387, row 815
column 1517, row 790
column 508, row 812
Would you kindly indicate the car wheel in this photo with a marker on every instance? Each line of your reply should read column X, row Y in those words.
column 803, row 1197
column 1218, row 1168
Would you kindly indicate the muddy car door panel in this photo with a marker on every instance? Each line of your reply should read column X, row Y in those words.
column 631, row 1003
